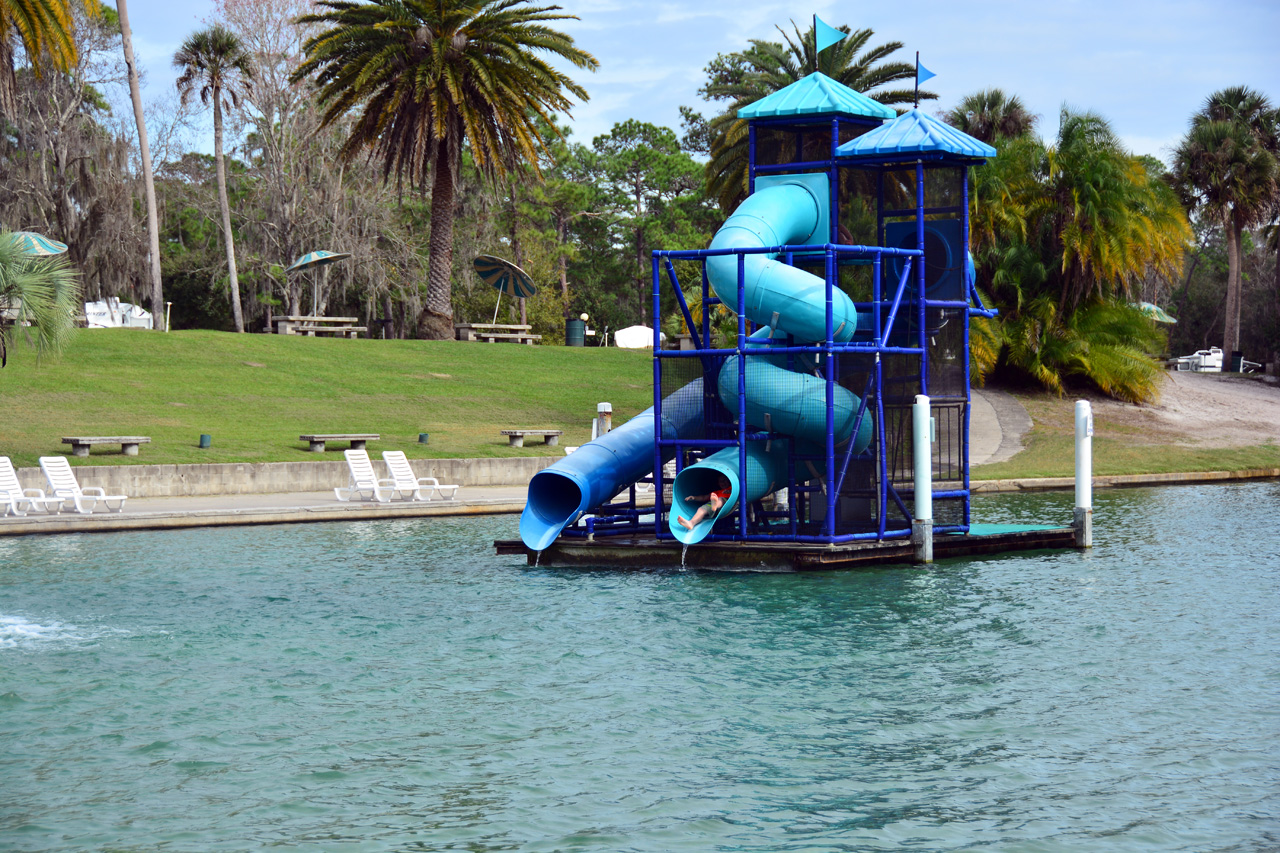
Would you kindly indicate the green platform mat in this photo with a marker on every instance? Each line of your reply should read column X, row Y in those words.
column 998, row 529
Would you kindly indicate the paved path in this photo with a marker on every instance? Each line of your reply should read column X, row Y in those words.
column 997, row 424
column 221, row 510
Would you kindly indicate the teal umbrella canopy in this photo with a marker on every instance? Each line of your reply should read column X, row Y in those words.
column 37, row 244
column 1155, row 312
column 504, row 275
column 317, row 259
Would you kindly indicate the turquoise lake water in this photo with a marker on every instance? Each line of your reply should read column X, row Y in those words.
column 395, row 686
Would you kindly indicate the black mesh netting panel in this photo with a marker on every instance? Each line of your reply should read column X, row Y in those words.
column 676, row 374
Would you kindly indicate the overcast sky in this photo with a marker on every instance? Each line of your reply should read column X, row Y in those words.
column 1143, row 65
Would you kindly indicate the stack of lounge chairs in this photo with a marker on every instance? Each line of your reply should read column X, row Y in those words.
column 364, row 484
column 65, row 493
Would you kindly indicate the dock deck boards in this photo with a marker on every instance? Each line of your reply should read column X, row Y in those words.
column 648, row 552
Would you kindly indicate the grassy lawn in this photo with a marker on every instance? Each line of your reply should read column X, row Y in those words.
column 255, row 394
column 1118, row 448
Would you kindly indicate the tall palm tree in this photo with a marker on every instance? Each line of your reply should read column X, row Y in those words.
column 430, row 76
column 1061, row 231
column 148, row 175
column 1228, row 167
column 766, row 67
column 44, row 292
column 991, row 114
column 46, row 30
column 215, row 62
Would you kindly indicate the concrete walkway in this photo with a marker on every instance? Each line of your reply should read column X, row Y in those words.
column 997, row 424
column 288, row 508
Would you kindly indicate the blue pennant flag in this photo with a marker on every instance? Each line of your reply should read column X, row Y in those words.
column 825, row 34
column 922, row 73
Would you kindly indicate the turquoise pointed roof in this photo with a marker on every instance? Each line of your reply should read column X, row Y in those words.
column 814, row 95
column 915, row 132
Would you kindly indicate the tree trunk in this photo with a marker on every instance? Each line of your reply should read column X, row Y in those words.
column 148, row 179
column 562, row 228
column 435, row 322
column 517, row 252
column 228, row 239
column 1231, row 320
column 1275, row 353
column 8, row 78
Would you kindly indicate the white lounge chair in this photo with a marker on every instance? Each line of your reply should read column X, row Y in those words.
column 405, row 482
column 364, row 483
column 64, row 487
column 17, row 500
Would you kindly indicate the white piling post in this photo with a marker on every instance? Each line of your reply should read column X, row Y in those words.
column 1083, row 521
column 604, row 414
column 922, row 444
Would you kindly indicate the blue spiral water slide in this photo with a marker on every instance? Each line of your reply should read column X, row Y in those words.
column 786, row 301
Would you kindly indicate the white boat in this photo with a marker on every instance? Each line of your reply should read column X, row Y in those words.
column 111, row 313
column 1202, row 361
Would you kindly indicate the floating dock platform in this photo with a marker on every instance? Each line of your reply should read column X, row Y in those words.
column 648, row 552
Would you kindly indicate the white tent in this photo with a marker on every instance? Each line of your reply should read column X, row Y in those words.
column 112, row 313
column 635, row 337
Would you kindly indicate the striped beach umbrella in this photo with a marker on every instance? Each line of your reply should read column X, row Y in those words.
column 1155, row 312
column 37, row 244
column 505, row 276
column 317, row 259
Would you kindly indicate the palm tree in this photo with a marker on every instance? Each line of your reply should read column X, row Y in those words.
column 766, row 67
column 1061, row 231
column 44, row 292
column 148, row 175
column 1110, row 219
column 46, row 30
column 214, row 61
column 990, row 115
column 430, row 76
column 1228, row 167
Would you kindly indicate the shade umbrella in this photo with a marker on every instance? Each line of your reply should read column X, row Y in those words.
column 505, row 276
column 1155, row 312
column 320, row 258
column 32, row 243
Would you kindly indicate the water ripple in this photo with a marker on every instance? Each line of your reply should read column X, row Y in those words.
column 395, row 686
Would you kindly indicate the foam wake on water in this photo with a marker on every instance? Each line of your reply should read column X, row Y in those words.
column 21, row 632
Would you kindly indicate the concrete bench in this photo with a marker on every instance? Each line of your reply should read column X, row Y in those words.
column 298, row 324
column 515, row 437
column 346, row 331
column 494, row 337
column 80, row 444
column 495, row 332
column 357, row 439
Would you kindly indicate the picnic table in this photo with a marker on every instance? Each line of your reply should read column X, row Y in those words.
column 357, row 439
column 515, row 437
column 518, row 333
column 297, row 324
column 80, row 444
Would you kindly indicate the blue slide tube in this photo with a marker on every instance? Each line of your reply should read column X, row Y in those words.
column 790, row 300
column 766, row 473
column 600, row 469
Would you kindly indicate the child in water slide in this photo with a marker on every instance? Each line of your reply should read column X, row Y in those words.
column 711, row 503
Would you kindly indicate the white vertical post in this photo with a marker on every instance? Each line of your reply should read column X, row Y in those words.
column 604, row 414
column 922, row 444
column 1083, row 521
